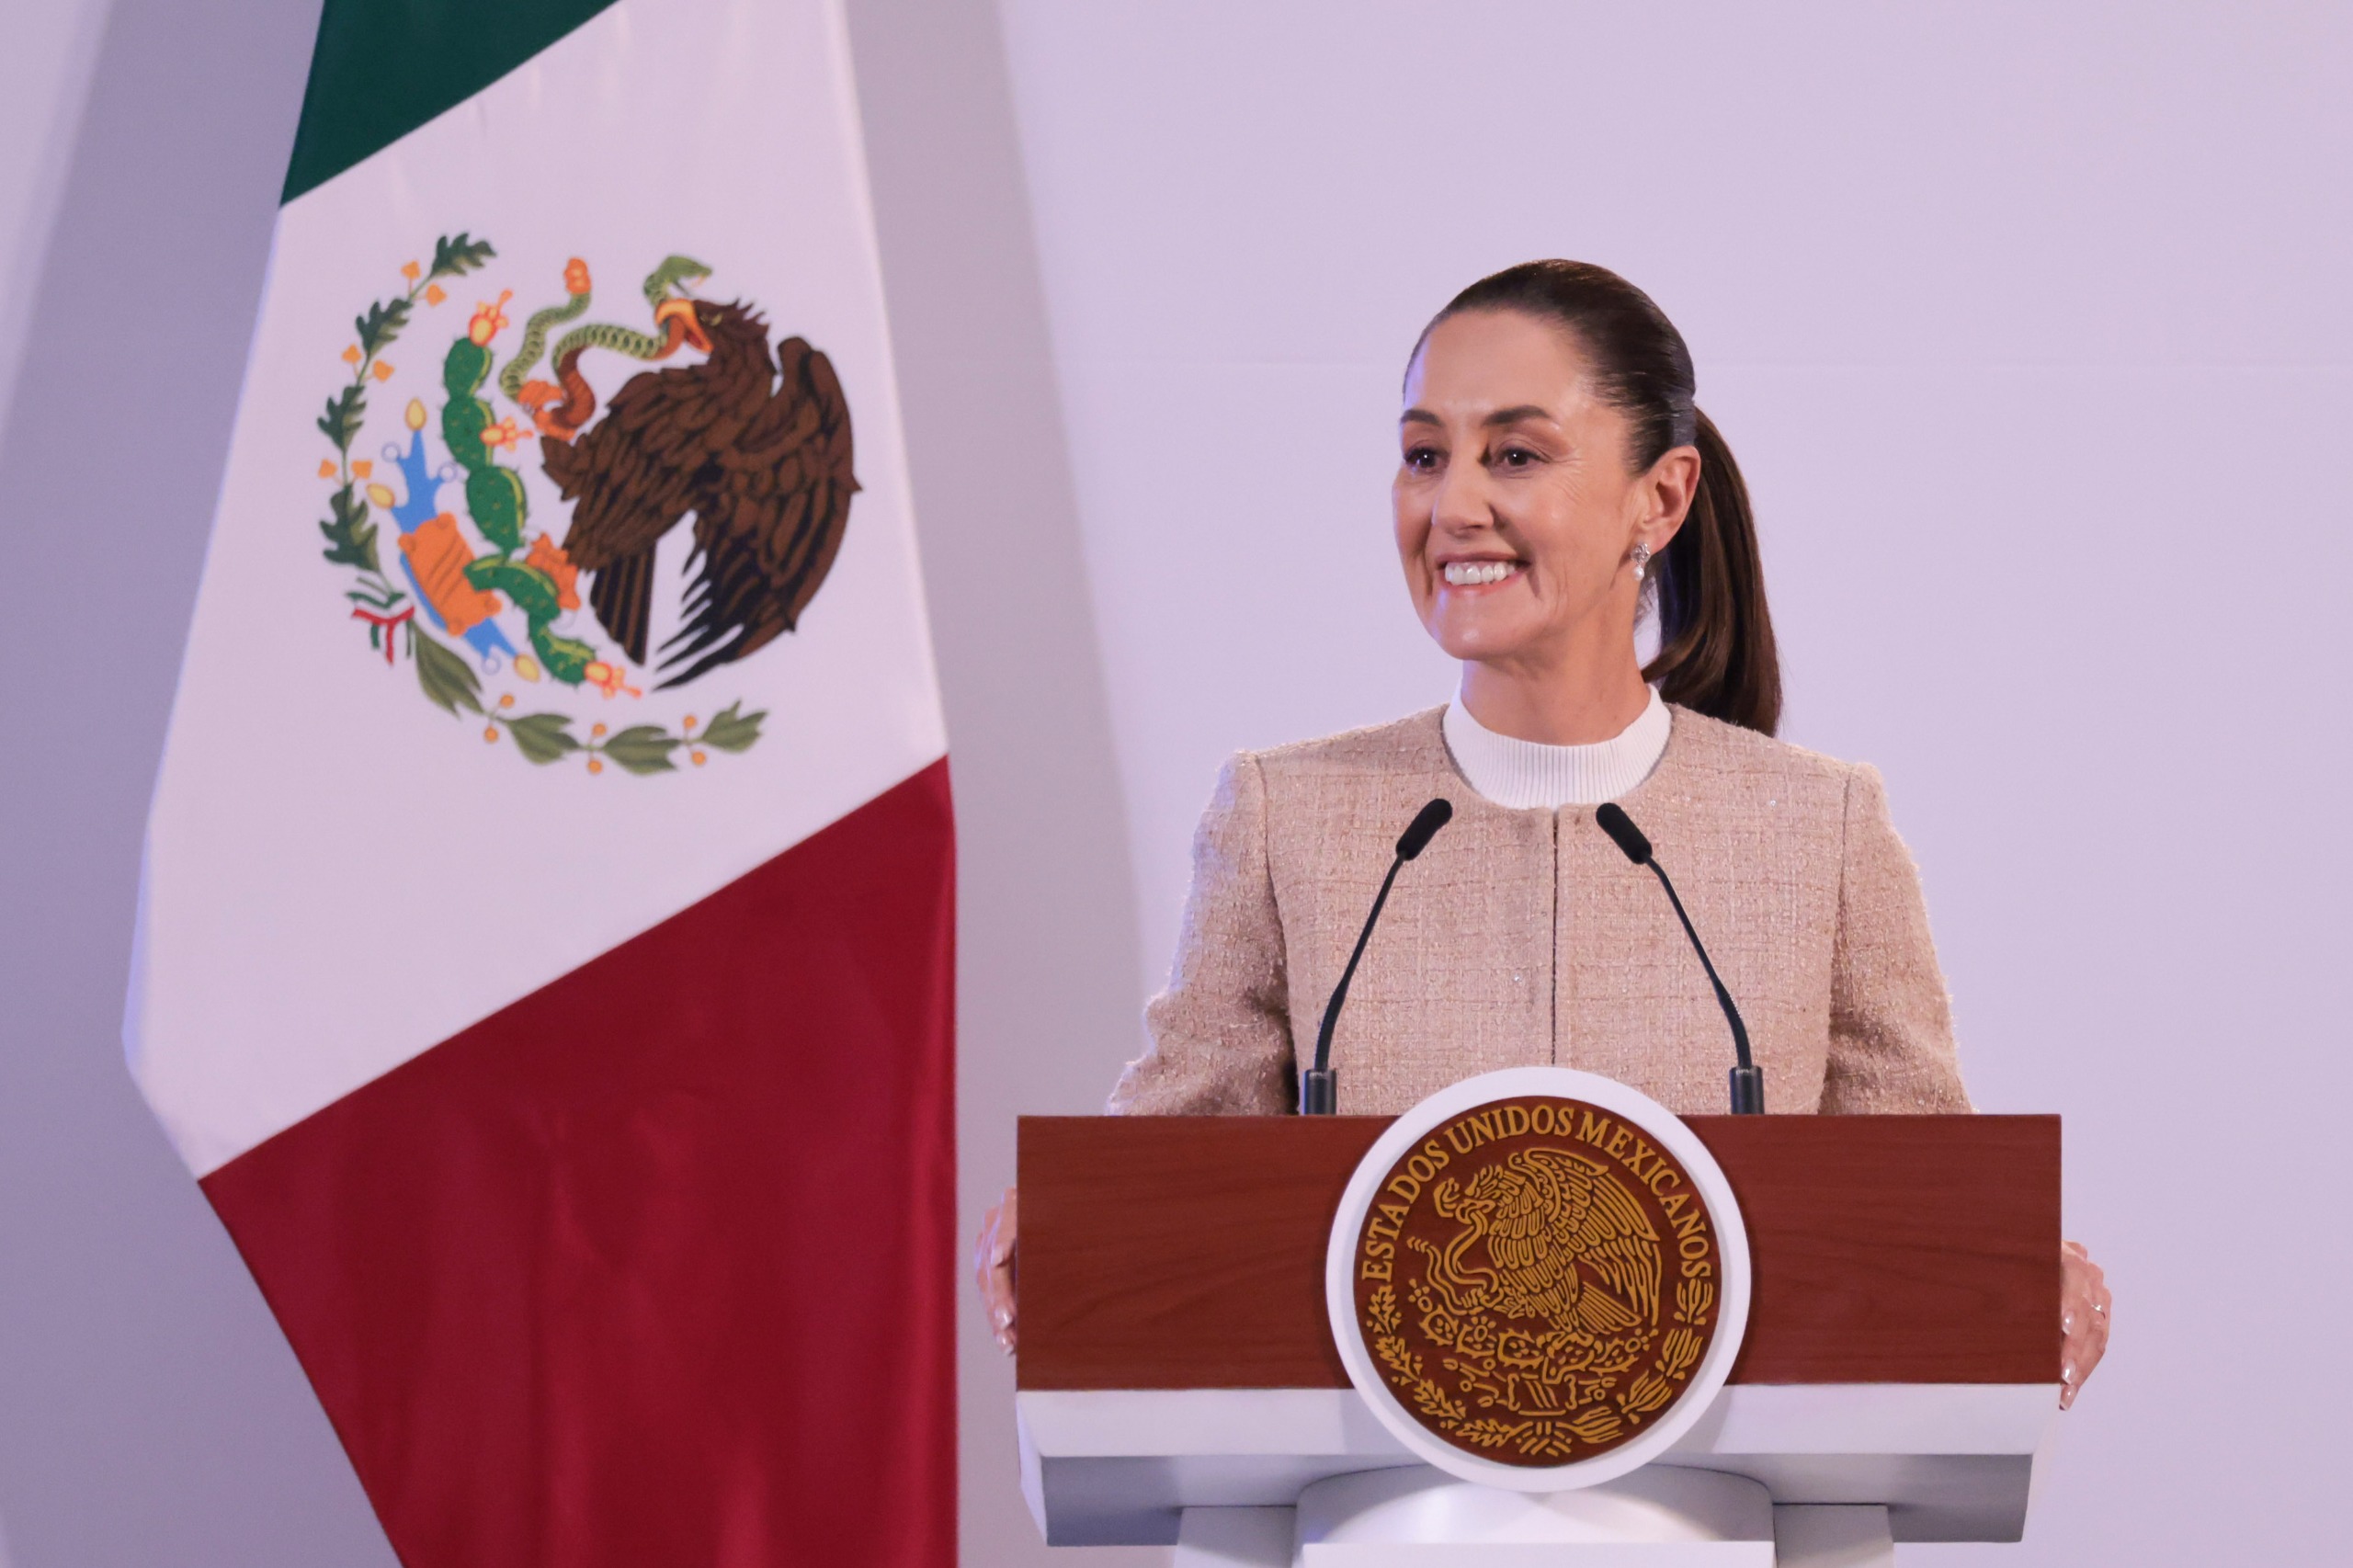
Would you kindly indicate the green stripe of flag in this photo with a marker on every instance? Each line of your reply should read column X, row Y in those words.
column 384, row 67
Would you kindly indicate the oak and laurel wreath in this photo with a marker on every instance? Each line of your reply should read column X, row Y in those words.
column 1597, row 1425
column 447, row 678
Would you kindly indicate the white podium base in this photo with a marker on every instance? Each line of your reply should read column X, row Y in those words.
column 1235, row 1537
column 1831, row 1536
column 1121, row 1467
column 1415, row 1518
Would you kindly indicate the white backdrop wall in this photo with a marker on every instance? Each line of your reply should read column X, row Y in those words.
column 44, row 74
column 150, row 1411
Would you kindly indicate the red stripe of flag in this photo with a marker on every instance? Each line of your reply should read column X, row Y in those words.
column 656, row 1265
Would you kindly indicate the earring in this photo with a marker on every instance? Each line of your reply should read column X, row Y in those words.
column 1641, row 561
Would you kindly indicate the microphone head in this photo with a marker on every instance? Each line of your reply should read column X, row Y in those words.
column 1423, row 827
column 1623, row 833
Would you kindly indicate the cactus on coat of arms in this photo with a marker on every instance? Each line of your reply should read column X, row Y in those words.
column 495, row 501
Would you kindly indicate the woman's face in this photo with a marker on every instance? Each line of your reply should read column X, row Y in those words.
column 1516, row 512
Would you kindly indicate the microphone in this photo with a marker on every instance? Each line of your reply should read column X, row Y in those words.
column 1319, row 1087
column 1747, row 1079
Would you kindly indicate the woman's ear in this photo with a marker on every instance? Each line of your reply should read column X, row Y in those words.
column 1666, row 492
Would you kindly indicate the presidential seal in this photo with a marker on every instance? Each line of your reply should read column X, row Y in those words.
column 1542, row 1269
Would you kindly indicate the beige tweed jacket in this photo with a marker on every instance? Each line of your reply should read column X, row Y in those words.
column 1525, row 937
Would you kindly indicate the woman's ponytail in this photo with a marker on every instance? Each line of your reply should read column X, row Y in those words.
column 1716, row 653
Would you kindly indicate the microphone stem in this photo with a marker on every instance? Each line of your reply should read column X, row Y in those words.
column 1723, row 997
column 1319, row 1091
column 1340, row 992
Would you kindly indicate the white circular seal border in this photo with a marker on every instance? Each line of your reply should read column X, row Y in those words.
column 1655, row 1122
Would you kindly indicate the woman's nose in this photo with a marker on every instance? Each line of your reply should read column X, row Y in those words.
column 1461, row 503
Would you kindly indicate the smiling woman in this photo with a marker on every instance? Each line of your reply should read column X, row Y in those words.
column 1555, row 470
column 1556, row 482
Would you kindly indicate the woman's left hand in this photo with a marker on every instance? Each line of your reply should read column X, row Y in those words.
column 2083, row 1319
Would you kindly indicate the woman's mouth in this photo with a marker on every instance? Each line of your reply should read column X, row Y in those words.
column 1477, row 573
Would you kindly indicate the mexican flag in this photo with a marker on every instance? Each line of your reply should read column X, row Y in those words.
column 545, row 957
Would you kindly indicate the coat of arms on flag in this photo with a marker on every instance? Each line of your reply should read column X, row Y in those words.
column 747, row 445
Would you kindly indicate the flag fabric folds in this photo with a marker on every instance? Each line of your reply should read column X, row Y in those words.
column 545, row 957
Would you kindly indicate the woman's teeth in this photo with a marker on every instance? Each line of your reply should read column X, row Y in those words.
column 1470, row 574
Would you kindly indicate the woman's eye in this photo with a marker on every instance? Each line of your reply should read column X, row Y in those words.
column 1515, row 457
column 1421, row 460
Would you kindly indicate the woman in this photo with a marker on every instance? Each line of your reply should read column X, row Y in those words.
column 1555, row 479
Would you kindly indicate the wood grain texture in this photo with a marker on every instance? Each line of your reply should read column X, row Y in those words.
column 1187, row 1252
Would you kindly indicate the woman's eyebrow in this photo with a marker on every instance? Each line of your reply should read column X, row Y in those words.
column 1515, row 415
column 1512, row 416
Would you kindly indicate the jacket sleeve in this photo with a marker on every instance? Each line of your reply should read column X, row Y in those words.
column 1220, row 1032
column 1891, row 1019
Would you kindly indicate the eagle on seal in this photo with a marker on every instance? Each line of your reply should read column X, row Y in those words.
column 755, row 444
column 1564, row 1239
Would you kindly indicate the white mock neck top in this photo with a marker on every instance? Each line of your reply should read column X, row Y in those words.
column 1526, row 773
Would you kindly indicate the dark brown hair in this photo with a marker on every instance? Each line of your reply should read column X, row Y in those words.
column 1716, row 653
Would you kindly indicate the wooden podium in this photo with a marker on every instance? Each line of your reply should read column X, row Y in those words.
column 1901, row 1361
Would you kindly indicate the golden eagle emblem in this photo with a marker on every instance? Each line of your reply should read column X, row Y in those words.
column 1563, row 1242
column 1537, row 1282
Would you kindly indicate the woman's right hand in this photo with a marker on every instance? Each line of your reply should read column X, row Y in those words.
column 992, row 1268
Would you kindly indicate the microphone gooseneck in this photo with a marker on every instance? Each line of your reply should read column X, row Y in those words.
column 1319, row 1088
column 1747, row 1079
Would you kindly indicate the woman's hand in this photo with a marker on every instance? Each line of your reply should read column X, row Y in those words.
column 2083, row 1316
column 992, row 1268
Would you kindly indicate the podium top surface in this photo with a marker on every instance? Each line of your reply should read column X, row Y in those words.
column 1187, row 1252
